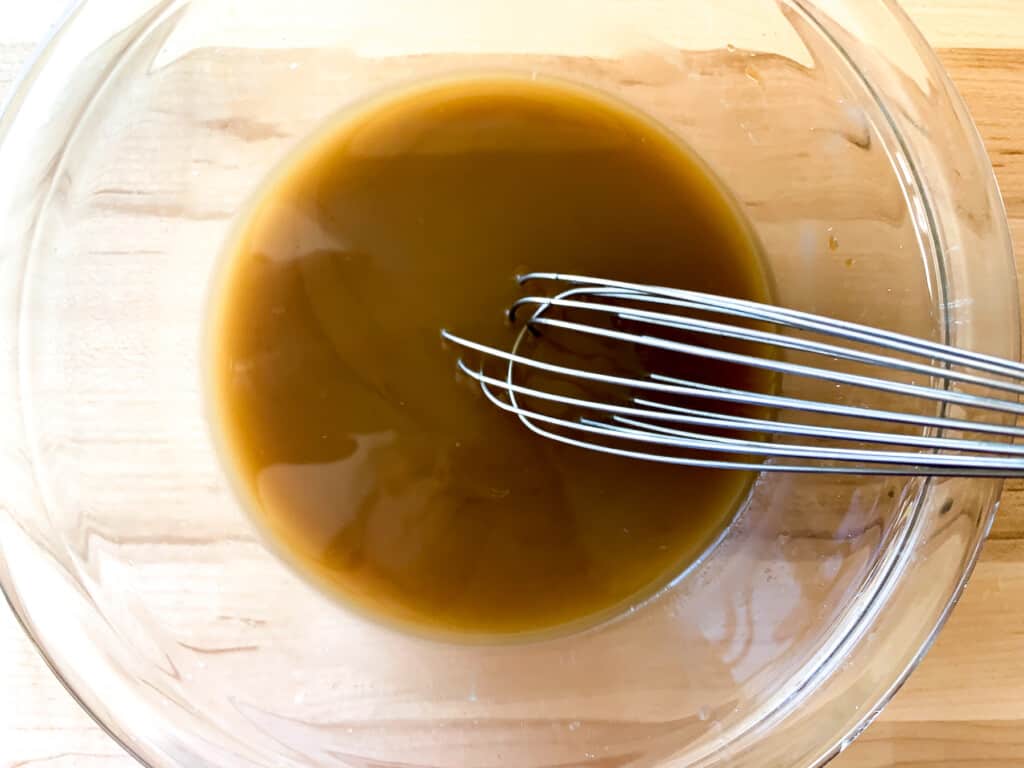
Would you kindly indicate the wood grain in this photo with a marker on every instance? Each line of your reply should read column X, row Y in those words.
column 963, row 708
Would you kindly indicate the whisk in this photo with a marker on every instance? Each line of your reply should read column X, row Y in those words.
column 961, row 422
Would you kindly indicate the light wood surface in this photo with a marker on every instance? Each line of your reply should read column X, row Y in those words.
column 963, row 707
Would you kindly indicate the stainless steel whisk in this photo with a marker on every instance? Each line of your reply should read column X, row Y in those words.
column 653, row 416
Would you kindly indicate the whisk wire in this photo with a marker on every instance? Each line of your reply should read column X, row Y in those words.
column 796, row 319
column 664, row 412
column 754, row 335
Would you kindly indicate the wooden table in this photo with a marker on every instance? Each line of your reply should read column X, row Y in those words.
column 963, row 708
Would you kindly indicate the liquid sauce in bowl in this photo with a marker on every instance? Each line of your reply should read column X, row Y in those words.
column 379, row 473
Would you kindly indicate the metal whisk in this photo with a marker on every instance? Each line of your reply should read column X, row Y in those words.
column 955, row 423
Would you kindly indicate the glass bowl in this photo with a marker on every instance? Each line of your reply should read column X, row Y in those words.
column 128, row 150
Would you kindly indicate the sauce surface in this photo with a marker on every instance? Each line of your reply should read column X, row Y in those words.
column 373, row 468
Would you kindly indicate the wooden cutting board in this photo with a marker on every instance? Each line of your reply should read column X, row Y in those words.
column 963, row 708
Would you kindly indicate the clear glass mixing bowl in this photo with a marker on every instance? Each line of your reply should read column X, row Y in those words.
column 131, row 145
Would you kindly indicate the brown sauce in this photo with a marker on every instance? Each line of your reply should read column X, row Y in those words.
column 372, row 467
